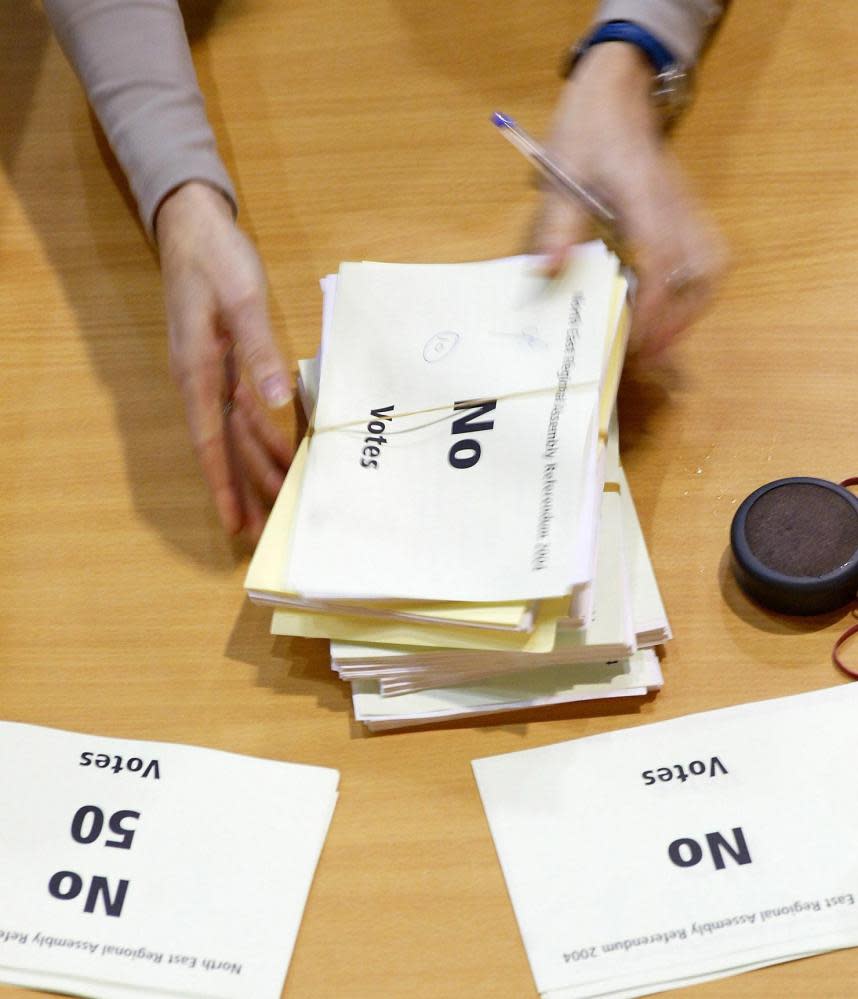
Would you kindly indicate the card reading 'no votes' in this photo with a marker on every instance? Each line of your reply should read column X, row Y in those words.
column 143, row 868
column 695, row 848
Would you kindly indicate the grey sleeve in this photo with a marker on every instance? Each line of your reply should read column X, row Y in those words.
column 133, row 60
column 683, row 25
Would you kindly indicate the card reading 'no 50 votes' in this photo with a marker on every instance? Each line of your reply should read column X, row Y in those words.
column 138, row 867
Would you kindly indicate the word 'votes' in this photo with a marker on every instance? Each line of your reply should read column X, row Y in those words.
column 697, row 768
column 373, row 443
column 87, row 828
column 134, row 764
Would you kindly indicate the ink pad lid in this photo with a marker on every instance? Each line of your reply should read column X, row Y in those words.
column 795, row 545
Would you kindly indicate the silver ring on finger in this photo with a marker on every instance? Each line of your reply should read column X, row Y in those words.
column 685, row 280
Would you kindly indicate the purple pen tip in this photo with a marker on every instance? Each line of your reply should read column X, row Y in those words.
column 502, row 120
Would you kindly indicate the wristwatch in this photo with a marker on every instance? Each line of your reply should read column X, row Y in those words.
column 672, row 83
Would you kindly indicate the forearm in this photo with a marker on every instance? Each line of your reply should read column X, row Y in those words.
column 133, row 60
column 684, row 26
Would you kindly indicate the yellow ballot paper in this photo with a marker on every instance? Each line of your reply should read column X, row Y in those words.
column 454, row 451
column 362, row 628
column 310, row 616
column 652, row 858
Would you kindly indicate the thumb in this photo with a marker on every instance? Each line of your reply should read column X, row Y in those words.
column 561, row 224
column 250, row 328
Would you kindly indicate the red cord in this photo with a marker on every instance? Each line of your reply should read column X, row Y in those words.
column 838, row 662
column 853, row 630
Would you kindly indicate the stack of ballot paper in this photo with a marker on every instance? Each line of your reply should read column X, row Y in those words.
column 151, row 869
column 456, row 520
column 706, row 846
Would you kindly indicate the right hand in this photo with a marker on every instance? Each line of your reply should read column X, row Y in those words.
column 608, row 136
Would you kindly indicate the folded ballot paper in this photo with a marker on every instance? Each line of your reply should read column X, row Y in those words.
column 457, row 514
column 134, row 869
column 681, row 851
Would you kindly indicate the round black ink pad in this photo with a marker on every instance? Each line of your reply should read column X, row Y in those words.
column 795, row 545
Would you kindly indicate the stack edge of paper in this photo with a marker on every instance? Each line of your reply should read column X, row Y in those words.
column 468, row 543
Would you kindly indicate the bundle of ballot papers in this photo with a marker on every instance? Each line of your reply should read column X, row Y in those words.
column 456, row 520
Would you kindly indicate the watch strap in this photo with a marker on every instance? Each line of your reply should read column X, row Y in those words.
column 672, row 82
column 656, row 51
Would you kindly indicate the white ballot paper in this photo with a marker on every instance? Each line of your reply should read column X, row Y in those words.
column 656, row 857
column 152, row 869
column 444, row 387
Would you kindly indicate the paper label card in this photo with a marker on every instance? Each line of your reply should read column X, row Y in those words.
column 141, row 865
column 688, row 848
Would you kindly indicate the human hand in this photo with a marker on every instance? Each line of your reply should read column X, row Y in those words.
column 608, row 136
column 217, row 325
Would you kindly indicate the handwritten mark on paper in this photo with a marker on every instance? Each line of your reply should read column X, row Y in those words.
column 439, row 346
column 529, row 335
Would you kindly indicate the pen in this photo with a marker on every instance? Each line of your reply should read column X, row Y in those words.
column 537, row 155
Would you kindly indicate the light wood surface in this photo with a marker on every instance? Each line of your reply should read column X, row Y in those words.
column 360, row 130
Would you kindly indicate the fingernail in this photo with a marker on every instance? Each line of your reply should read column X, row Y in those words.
column 552, row 265
column 276, row 391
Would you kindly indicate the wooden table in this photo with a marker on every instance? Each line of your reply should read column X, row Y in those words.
column 360, row 131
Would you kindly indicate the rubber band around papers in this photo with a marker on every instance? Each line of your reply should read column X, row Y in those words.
column 358, row 425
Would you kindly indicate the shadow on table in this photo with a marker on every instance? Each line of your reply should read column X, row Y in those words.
column 299, row 667
column 743, row 608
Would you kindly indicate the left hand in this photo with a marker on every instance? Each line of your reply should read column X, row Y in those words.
column 215, row 293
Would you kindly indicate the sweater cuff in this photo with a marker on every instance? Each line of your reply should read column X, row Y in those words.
column 168, row 177
column 133, row 59
column 683, row 26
